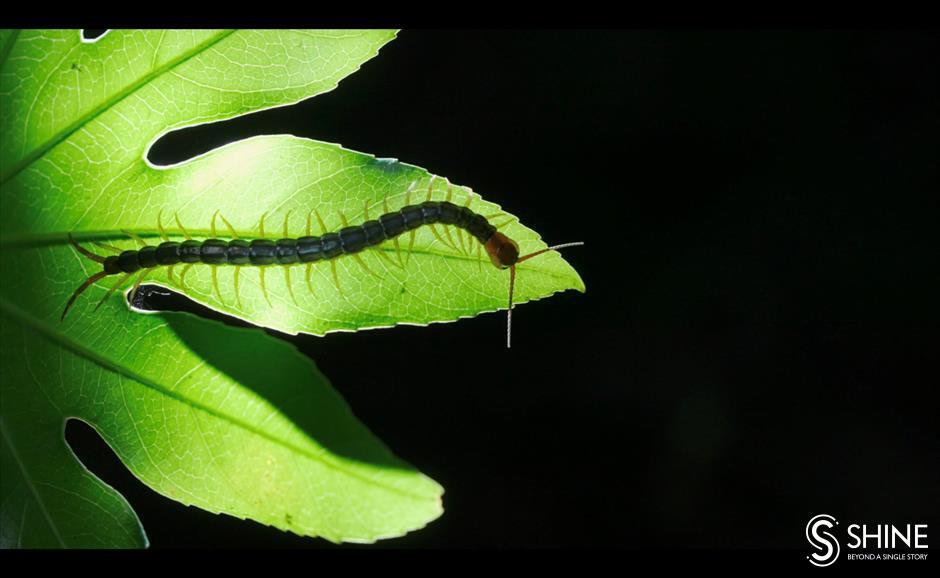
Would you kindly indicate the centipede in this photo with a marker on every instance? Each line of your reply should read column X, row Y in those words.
column 287, row 251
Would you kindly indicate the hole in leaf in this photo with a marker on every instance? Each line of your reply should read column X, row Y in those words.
column 92, row 34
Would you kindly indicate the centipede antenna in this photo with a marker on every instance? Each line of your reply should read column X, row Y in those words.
column 84, row 251
column 160, row 228
column 512, row 286
column 286, row 221
column 179, row 224
column 547, row 249
column 88, row 282
column 512, row 282
column 113, row 289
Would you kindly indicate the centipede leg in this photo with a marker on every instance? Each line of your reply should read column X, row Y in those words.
column 169, row 274
column 113, row 289
column 335, row 276
column 440, row 238
column 261, row 226
column 411, row 245
column 385, row 257
column 362, row 263
column 215, row 284
column 88, row 282
column 287, row 282
column 401, row 265
column 212, row 224
column 140, row 279
column 135, row 237
column 231, row 229
column 469, row 237
column 238, row 299
column 307, row 275
column 160, row 228
column 286, row 223
column 264, row 290
column 320, row 222
column 185, row 270
column 459, row 233
column 106, row 247
column 179, row 224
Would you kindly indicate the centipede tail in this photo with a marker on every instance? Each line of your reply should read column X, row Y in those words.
column 88, row 283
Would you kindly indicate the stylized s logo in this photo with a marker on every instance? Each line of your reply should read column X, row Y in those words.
column 822, row 540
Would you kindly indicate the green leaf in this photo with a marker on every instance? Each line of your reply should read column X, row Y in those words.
column 229, row 420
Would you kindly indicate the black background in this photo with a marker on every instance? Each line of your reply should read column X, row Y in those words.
column 758, row 340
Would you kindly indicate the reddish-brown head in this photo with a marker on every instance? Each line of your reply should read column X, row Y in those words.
column 503, row 251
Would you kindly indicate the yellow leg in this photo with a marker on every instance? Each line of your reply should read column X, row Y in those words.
column 362, row 262
column 185, row 270
column 335, row 276
column 169, row 274
column 113, row 289
column 286, row 224
column 261, row 226
column 163, row 234
column 307, row 275
column 238, row 298
column 215, row 284
column 411, row 245
column 231, row 229
column 140, row 279
column 135, row 237
column 385, row 257
column 320, row 222
column 105, row 246
column 342, row 218
column 180, row 225
column 264, row 290
column 309, row 219
column 287, row 282
column 212, row 224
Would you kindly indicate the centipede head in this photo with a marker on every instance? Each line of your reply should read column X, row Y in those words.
column 507, row 256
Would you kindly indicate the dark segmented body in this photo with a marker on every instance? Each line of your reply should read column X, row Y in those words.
column 346, row 241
